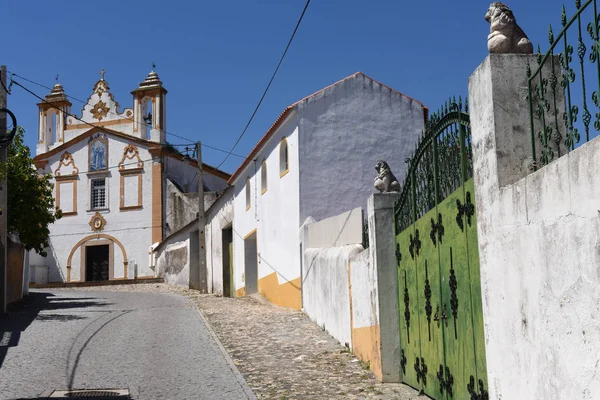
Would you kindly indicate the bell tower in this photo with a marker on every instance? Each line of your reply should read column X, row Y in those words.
column 149, row 109
column 51, row 124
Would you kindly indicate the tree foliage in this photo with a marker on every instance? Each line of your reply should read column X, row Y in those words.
column 31, row 206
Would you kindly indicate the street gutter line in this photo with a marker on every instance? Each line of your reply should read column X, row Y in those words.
column 240, row 379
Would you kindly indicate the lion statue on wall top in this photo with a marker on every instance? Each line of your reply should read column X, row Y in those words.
column 385, row 180
column 505, row 35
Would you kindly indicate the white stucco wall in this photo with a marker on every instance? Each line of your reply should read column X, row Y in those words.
column 329, row 245
column 186, row 176
column 326, row 291
column 132, row 228
column 273, row 214
column 218, row 217
column 539, row 247
column 365, row 304
column 344, row 130
column 173, row 261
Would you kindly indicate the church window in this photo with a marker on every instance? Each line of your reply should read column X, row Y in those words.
column 98, row 199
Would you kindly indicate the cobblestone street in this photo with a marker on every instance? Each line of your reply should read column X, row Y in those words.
column 282, row 354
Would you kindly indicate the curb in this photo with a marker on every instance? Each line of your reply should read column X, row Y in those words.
column 238, row 376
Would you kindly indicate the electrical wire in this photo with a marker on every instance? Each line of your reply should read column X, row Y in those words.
column 268, row 86
column 113, row 113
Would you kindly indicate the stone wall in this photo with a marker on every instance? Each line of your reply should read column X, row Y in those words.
column 539, row 246
column 352, row 292
column 173, row 259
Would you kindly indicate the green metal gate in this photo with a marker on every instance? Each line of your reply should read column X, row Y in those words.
column 441, row 319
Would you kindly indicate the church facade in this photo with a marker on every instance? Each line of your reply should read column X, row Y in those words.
column 115, row 179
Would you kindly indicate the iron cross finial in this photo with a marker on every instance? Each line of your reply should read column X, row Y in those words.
column 102, row 72
column 153, row 65
column 56, row 78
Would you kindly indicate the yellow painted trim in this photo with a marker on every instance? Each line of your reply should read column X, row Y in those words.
column 241, row 292
column 284, row 173
column 96, row 236
column 122, row 121
column 157, row 203
column 365, row 345
column 64, row 180
column 250, row 233
column 287, row 294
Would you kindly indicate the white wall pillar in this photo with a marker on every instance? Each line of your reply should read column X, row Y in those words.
column 382, row 246
column 512, row 276
column 136, row 116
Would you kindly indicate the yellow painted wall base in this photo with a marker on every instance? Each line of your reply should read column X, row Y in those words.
column 365, row 344
column 241, row 292
column 287, row 294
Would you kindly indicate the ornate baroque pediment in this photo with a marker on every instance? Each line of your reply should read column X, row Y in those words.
column 101, row 106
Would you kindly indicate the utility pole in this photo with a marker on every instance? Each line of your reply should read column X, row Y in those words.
column 203, row 278
column 3, row 194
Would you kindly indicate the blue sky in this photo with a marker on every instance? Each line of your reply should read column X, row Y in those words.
column 215, row 58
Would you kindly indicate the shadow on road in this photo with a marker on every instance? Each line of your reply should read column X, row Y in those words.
column 118, row 397
column 21, row 314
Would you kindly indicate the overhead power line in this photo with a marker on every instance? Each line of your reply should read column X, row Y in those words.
column 268, row 86
column 110, row 112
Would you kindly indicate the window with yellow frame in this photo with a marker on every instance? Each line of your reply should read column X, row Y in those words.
column 263, row 177
column 248, row 194
column 284, row 161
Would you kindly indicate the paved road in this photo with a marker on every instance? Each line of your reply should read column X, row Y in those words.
column 155, row 344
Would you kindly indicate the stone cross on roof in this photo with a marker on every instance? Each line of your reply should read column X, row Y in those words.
column 102, row 72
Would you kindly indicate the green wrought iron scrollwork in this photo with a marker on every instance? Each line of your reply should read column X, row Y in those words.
column 415, row 244
column 554, row 80
column 480, row 394
column 403, row 361
column 365, row 235
column 406, row 308
column 421, row 370
column 441, row 163
column 437, row 230
column 453, row 297
column 467, row 209
column 427, row 293
column 398, row 254
column 447, row 381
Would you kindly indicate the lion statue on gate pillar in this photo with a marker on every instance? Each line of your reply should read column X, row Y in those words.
column 385, row 180
column 505, row 35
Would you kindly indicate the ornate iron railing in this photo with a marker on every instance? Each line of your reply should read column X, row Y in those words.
column 558, row 129
column 441, row 163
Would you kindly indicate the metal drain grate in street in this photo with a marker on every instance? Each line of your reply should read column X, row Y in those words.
column 97, row 394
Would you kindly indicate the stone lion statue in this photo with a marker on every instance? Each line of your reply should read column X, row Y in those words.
column 505, row 35
column 385, row 180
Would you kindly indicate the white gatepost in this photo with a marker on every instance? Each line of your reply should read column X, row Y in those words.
column 382, row 245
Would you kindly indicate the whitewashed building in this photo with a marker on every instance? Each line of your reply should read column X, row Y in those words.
column 317, row 160
column 116, row 181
